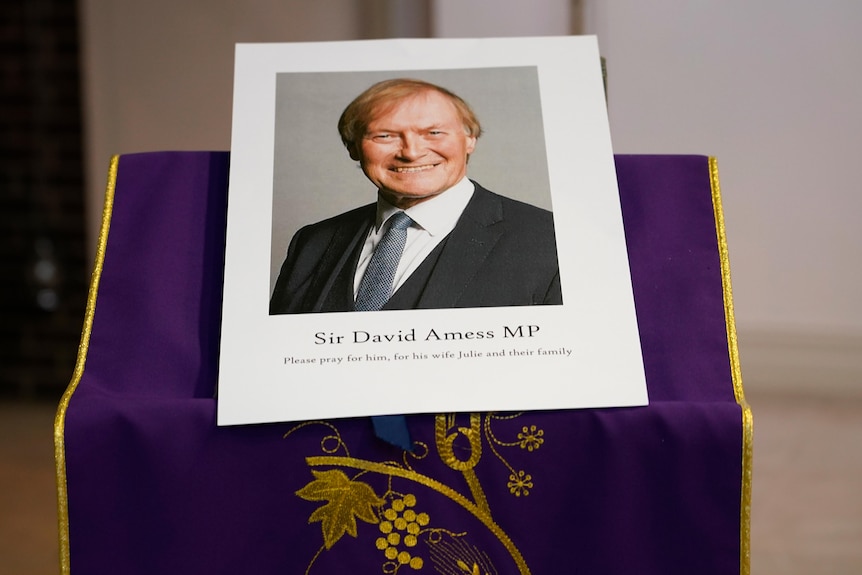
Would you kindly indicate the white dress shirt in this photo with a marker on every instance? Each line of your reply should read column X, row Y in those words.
column 433, row 219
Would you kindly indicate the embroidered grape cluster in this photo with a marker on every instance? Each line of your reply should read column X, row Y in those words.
column 401, row 525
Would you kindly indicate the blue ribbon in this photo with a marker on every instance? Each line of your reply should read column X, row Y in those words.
column 393, row 429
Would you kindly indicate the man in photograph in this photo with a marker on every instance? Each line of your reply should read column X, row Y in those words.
column 434, row 238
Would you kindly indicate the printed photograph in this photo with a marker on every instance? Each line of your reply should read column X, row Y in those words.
column 438, row 208
column 463, row 191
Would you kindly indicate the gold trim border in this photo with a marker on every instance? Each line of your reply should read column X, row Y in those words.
column 60, row 418
column 736, row 374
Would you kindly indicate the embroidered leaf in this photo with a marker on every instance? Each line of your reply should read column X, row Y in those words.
column 345, row 501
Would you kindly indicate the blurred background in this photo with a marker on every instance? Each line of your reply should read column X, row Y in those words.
column 771, row 88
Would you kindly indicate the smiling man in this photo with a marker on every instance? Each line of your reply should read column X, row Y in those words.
column 434, row 238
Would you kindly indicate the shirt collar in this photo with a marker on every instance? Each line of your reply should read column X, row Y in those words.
column 437, row 215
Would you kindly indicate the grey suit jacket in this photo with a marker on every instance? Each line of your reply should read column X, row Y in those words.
column 502, row 252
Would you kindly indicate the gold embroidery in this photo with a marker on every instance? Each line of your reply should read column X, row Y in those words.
column 445, row 442
column 520, row 482
column 453, row 556
column 439, row 487
column 420, row 451
column 401, row 528
column 400, row 524
column 329, row 443
column 445, row 447
column 531, row 438
column 345, row 501
column 490, row 433
column 736, row 374
column 60, row 419
column 313, row 559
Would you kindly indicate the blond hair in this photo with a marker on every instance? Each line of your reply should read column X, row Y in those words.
column 359, row 113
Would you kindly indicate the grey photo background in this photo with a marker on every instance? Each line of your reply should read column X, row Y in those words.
column 314, row 178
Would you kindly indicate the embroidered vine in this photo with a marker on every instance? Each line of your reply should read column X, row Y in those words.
column 405, row 534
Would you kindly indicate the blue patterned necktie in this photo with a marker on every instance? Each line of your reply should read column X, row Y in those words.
column 375, row 288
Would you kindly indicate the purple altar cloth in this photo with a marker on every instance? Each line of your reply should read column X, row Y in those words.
column 148, row 483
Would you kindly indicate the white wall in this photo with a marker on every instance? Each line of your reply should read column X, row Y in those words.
column 772, row 88
column 491, row 18
column 158, row 75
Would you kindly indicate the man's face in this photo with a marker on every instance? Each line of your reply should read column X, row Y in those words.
column 414, row 149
